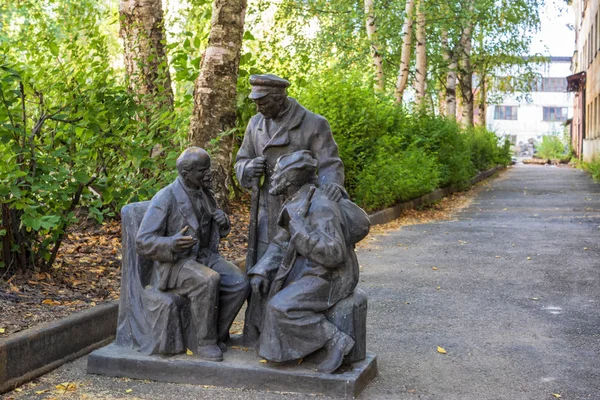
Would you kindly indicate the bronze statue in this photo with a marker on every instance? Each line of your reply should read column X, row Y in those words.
column 282, row 126
column 189, row 295
column 308, row 267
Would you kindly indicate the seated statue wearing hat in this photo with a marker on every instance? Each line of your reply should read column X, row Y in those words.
column 180, row 233
column 282, row 126
column 308, row 267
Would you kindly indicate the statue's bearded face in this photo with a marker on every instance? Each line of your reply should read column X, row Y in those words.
column 269, row 106
column 199, row 175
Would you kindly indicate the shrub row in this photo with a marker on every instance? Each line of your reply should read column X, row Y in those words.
column 390, row 155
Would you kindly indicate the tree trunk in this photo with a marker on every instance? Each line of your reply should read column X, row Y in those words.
column 450, row 92
column 213, row 118
column 421, row 55
column 146, row 63
column 482, row 101
column 375, row 48
column 406, row 49
column 466, row 70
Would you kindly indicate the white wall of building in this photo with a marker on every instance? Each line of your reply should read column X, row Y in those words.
column 530, row 122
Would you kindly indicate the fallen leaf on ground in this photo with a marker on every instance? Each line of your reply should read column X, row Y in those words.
column 585, row 248
column 534, row 298
column 529, row 258
column 128, row 390
column 434, row 268
column 558, row 396
column 2, row 330
column 441, row 350
column 263, row 361
column 189, row 352
column 66, row 387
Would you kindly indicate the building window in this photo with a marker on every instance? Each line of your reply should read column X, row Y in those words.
column 550, row 85
column 505, row 112
column 555, row 113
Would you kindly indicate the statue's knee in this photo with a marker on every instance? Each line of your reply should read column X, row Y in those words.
column 213, row 279
column 278, row 306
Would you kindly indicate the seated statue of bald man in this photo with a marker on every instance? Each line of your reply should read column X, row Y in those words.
column 180, row 232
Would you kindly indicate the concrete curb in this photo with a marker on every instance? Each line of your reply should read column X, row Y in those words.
column 394, row 212
column 41, row 349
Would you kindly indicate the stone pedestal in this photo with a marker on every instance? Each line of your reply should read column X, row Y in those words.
column 241, row 368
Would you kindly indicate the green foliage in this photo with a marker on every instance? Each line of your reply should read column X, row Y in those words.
column 396, row 177
column 593, row 168
column 389, row 155
column 71, row 135
column 486, row 149
column 551, row 148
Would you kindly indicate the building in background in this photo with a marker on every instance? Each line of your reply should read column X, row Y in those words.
column 525, row 117
column 584, row 80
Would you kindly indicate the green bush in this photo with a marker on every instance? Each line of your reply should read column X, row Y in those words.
column 593, row 168
column 444, row 139
column 398, row 176
column 380, row 143
column 486, row 149
column 71, row 136
column 551, row 148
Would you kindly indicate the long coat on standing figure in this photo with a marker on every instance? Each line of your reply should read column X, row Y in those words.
column 282, row 126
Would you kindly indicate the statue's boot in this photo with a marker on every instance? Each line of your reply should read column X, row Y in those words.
column 222, row 346
column 212, row 352
column 337, row 347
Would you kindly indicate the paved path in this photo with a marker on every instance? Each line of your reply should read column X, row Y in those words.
column 514, row 302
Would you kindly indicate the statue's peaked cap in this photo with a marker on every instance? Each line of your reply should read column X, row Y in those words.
column 302, row 159
column 265, row 84
column 268, row 80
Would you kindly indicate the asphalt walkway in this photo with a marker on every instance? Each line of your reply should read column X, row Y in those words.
column 510, row 290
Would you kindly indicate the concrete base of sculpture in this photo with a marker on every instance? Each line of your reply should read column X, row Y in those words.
column 241, row 368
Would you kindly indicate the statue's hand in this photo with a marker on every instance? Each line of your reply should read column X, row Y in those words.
column 333, row 192
column 221, row 218
column 182, row 243
column 256, row 167
column 260, row 285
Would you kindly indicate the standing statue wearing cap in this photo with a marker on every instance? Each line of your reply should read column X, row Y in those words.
column 282, row 126
column 309, row 266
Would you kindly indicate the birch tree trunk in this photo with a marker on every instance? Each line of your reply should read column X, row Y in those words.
column 466, row 70
column 375, row 48
column 421, row 55
column 405, row 55
column 146, row 63
column 450, row 91
column 213, row 118
column 483, row 101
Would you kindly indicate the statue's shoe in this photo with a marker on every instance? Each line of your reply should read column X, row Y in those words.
column 222, row 346
column 337, row 347
column 212, row 352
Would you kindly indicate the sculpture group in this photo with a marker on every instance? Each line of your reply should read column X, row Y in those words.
column 179, row 294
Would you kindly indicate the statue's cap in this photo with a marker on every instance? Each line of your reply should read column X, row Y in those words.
column 302, row 159
column 265, row 84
